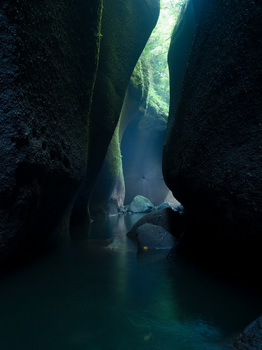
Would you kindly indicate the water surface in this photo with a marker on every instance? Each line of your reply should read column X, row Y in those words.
column 87, row 295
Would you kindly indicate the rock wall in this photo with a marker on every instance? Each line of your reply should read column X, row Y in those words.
column 126, row 27
column 59, row 107
column 212, row 158
column 109, row 192
column 49, row 55
column 133, row 164
column 179, row 51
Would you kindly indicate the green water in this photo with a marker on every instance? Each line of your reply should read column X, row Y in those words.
column 88, row 296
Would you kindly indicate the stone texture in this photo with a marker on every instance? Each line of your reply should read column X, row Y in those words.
column 212, row 159
column 55, row 127
column 126, row 27
column 154, row 237
column 49, row 55
column 167, row 218
column 109, row 191
column 251, row 337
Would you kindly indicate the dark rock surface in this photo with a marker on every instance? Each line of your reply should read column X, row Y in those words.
column 109, row 191
column 212, row 158
column 49, row 55
column 167, row 218
column 178, row 55
column 58, row 109
column 154, row 237
column 251, row 337
column 126, row 27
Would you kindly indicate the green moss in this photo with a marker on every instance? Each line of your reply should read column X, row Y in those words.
column 154, row 106
column 157, row 103
column 113, row 159
column 137, row 77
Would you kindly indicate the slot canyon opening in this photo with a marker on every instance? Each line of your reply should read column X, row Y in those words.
column 113, row 284
column 133, row 164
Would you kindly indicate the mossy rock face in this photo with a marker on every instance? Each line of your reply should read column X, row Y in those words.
column 126, row 27
column 140, row 204
column 212, row 159
column 48, row 67
column 109, row 193
column 139, row 81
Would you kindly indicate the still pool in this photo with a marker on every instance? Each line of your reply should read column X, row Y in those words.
column 88, row 296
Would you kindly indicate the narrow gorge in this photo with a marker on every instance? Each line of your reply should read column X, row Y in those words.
column 93, row 119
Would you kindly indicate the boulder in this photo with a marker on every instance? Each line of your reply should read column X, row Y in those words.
column 154, row 237
column 170, row 220
column 140, row 204
column 163, row 206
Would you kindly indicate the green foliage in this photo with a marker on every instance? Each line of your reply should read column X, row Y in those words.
column 155, row 54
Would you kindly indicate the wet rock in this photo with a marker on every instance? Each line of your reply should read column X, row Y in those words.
column 170, row 220
column 154, row 237
column 163, row 205
column 140, row 204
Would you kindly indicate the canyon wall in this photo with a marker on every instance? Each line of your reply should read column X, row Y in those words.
column 126, row 27
column 212, row 157
column 49, row 57
column 64, row 69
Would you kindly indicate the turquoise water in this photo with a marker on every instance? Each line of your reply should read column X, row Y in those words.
column 89, row 296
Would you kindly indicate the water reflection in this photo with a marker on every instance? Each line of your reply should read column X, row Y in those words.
column 89, row 295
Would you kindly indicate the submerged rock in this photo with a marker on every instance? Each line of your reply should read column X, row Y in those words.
column 154, row 237
column 140, row 204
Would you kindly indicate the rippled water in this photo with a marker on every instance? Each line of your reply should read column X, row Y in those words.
column 90, row 296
